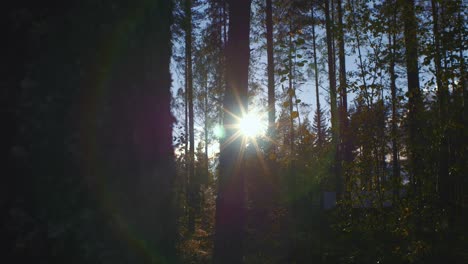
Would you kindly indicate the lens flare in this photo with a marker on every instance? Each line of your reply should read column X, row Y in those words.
column 252, row 125
column 218, row 131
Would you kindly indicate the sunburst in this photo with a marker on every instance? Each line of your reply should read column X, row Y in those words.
column 249, row 128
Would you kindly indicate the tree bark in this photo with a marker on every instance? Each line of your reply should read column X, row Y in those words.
column 291, row 104
column 137, row 167
column 230, row 204
column 206, row 126
column 442, row 90
column 333, row 98
column 345, row 155
column 271, row 70
column 414, row 93
column 191, row 199
column 394, row 134
column 320, row 139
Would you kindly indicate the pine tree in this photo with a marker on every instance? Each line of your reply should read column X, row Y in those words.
column 230, row 204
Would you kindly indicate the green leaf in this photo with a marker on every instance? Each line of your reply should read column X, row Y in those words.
column 282, row 72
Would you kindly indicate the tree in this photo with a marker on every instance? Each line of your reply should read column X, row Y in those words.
column 393, row 90
column 137, row 156
column 345, row 148
column 319, row 126
column 189, row 90
column 414, row 93
column 270, row 69
column 333, row 97
column 318, row 119
column 93, row 166
column 230, row 206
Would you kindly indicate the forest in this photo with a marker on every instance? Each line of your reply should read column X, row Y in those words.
column 234, row 131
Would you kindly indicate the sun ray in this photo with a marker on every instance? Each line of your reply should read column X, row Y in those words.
column 258, row 152
column 247, row 128
column 231, row 139
column 240, row 156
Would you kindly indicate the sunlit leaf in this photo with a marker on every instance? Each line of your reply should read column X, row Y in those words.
column 294, row 114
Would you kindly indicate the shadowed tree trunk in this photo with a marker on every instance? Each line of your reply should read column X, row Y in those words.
column 230, row 204
column 291, row 109
column 205, row 103
column 345, row 149
column 140, row 159
column 414, row 93
column 271, row 70
column 320, row 139
column 333, row 98
column 191, row 190
column 393, row 91
column 442, row 93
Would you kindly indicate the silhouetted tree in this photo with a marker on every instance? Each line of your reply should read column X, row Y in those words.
column 94, row 163
column 230, row 204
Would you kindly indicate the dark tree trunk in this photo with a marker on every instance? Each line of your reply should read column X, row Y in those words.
column 358, row 44
column 192, row 188
column 320, row 139
column 186, row 138
column 442, row 89
column 333, row 98
column 271, row 71
column 136, row 170
column 291, row 104
column 230, row 204
column 394, row 133
column 414, row 94
column 104, row 177
column 345, row 149
column 206, row 126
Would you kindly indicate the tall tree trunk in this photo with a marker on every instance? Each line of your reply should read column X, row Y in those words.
column 344, row 123
column 442, row 90
column 225, row 22
column 358, row 43
column 320, row 139
column 333, row 98
column 139, row 165
column 290, row 97
column 271, row 70
column 186, row 145
column 206, row 125
column 393, row 90
column 414, row 93
column 192, row 192
column 462, row 20
column 230, row 204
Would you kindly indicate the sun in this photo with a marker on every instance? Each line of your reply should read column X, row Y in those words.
column 252, row 125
